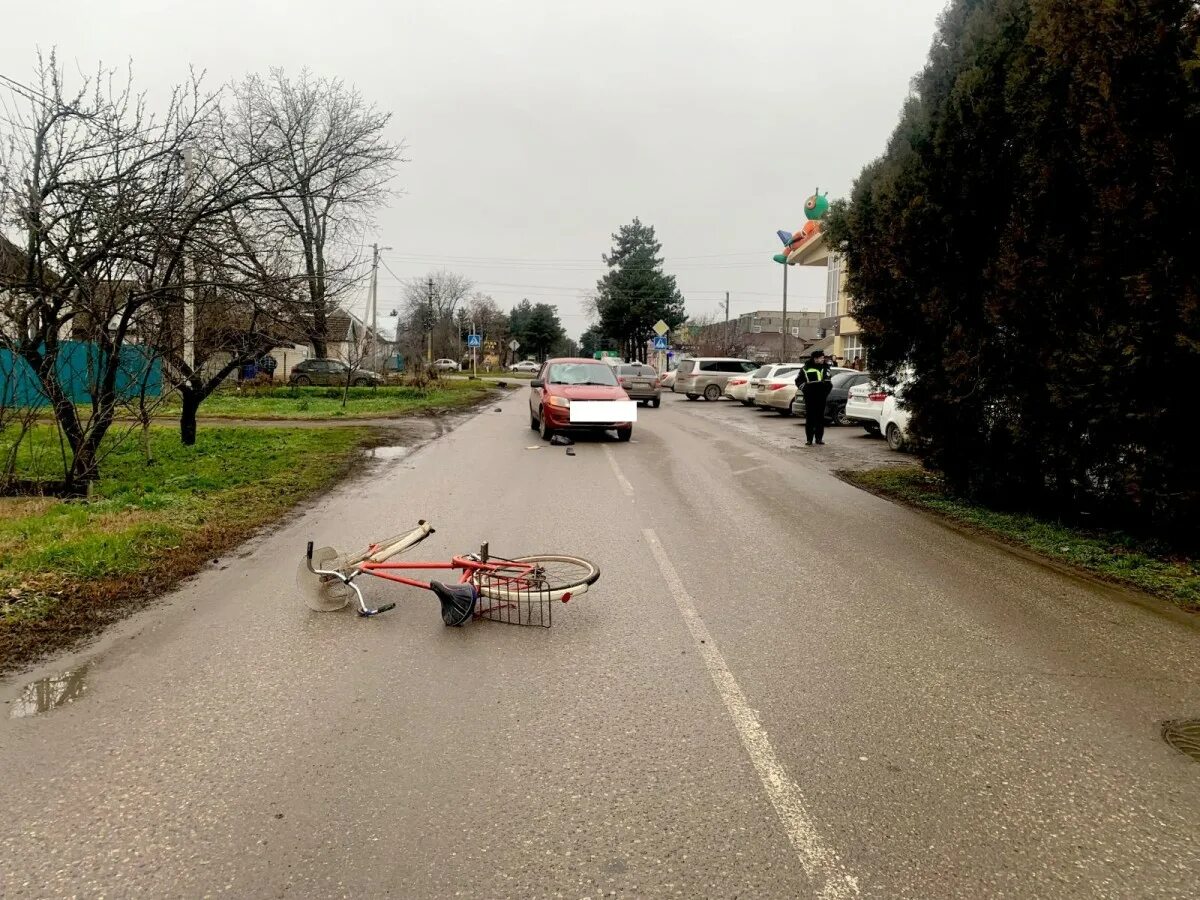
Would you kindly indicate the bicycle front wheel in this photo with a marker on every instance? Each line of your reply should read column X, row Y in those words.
column 543, row 577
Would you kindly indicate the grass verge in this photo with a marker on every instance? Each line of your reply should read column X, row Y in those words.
column 284, row 403
column 1113, row 556
column 67, row 568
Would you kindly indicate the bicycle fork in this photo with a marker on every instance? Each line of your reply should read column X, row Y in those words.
column 348, row 580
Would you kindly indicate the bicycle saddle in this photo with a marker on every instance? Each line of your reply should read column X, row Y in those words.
column 458, row 601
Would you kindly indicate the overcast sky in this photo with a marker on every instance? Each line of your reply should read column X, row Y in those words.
column 536, row 128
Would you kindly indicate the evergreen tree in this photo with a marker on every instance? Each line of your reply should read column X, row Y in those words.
column 1025, row 245
column 635, row 293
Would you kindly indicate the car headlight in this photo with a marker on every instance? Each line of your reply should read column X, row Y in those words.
column 560, row 401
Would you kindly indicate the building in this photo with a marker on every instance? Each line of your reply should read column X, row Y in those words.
column 755, row 335
column 836, row 321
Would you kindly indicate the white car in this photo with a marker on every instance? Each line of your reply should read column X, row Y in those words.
column 867, row 403
column 668, row 380
column 779, row 392
column 735, row 389
column 446, row 365
column 893, row 419
column 760, row 376
column 527, row 365
column 864, row 406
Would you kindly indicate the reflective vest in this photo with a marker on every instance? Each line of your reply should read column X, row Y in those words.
column 820, row 373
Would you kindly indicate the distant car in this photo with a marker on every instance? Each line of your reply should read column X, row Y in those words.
column 446, row 365
column 527, row 365
column 781, row 394
column 706, row 376
column 330, row 372
column 640, row 382
column 835, row 403
column 667, row 382
column 567, row 380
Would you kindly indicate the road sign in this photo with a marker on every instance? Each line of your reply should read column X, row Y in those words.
column 661, row 327
column 660, row 343
column 473, row 340
column 514, row 345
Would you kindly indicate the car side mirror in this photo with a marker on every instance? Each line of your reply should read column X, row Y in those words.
column 537, row 383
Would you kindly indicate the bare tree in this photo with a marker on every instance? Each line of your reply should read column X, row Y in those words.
column 331, row 172
column 429, row 305
column 111, row 202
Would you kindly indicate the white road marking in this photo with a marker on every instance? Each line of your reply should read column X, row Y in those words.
column 751, row 469
column 820, row 862
column 621, row 479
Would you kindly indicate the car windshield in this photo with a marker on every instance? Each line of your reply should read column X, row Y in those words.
column 762, row 372
column 841, row 378
column 582, row 373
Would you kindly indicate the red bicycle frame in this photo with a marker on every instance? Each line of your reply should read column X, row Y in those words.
column 469, row 566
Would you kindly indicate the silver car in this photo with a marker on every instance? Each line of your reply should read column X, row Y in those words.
column 640, row 382
column 705, row 376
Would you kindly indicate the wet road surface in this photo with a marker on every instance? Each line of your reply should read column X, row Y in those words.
column 781, row 686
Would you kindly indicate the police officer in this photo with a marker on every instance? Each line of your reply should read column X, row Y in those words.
column 814, row 384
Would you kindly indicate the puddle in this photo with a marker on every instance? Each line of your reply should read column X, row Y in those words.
column 50, row 693
column 396, row 452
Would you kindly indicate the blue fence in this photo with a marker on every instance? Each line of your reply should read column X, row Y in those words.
column 78, row 368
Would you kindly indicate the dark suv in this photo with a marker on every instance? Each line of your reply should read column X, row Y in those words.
column 330, row 371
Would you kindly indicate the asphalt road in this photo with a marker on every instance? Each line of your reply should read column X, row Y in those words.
column 781, row 686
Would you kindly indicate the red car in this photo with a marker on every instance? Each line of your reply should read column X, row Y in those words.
column 588, row 384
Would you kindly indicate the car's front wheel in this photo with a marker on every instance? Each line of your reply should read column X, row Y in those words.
column 302, row 381
column 624, row 434
column 656, row 402
column 712, row 393
column 543, row 429
column 533, row 422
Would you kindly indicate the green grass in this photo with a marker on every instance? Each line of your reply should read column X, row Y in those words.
column 326, row 402
column 1114, row 556
column 66, row 565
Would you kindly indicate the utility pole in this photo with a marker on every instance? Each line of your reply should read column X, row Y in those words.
column 429, row 351
column 375, row 248
column 727, row 340
column 784, row 335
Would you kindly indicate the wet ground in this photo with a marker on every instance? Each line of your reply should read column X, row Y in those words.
column 781, row 686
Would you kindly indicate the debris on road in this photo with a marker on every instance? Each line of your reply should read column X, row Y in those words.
column 561, row 440
column 570, row 451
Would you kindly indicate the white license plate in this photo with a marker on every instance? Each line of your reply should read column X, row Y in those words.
column 584, row 412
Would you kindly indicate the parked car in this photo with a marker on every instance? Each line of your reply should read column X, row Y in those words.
column 706, row 376
column 835, row 403
column 526, row 365
column 330, row 372
column 640, row 382
column 567, row 380
column 736, row 387
column 781, row 394
column 667, row 382
column 865, row 403
column 760, row 376
column 446, row 365
column 893, row 420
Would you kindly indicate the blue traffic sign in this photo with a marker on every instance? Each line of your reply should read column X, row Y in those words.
column 660, row 343
column 473, row 340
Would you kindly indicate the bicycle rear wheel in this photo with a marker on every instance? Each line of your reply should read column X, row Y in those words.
column 551, row 577
column 522, row 591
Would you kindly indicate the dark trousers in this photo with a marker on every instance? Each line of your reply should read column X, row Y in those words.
column 814, row 428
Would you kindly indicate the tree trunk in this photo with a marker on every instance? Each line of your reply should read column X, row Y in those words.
column 187, row 418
